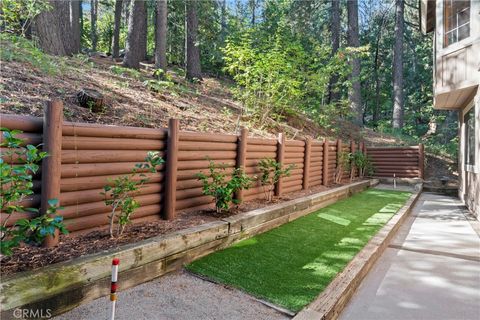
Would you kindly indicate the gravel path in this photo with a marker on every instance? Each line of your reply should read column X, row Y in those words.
column 177, row 296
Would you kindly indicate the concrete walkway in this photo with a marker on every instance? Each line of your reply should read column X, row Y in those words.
column 431, row 270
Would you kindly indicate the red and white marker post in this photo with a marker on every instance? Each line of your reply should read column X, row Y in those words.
column 113, row 287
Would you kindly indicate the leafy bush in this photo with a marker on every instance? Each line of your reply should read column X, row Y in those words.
column 157, row 85
column 343, row 164
column 121, row 196
column 121, row 71
column 17, row 185
column 217, row 185
column 363, row 164
column 271, row 172
column 17, row 16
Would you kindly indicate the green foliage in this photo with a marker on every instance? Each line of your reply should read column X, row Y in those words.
column 17, row 16
column 344, row 160
column 17, row 185
column 362, row 162
column 278, row 76
column 121, row 71
column 158, row 85
column 223, row 188
column 120, row 193
column 271, row 172
column 15, row 48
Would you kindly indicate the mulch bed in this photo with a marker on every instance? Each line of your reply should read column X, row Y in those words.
column 29, row 257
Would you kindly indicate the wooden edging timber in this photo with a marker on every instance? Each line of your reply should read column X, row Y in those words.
column 331, row 302
column 63, row 286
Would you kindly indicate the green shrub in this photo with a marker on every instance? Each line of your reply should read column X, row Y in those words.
column 343, row 164
column 120, row 196
column 363, row 164
column 157, row 85
column 217, row 185
column 271, row 172
column 17, row 184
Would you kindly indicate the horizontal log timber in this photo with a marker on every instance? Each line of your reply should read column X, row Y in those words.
column 252, row 197
column 293, row 177
column 316, row 178
column 400, row 164
column 393, row 152
column 104, row 156
column 397, row 170
column 261, row 141
column 316, row 158
column 316, row 183
column 401, row 167
column 206, row 146
column 87, row 183
column 293, row 149
column 193, row 202
column 99, row 207
column 188, row 184
column 254, row 190
column 100, row 169
column 189, row 193
column 369, row 149
column 28, row 138
column 294, row 188
column 296, row 171
column 295, row 161
column 15, row 216
column 109, row 131
column 202, row 164
column 192, row 174
column 261, row 148
column 23, row 123
column 261, row 155
column 206, row 137
column 298, row 143
column 400, row 175
column 97, row 220
column 93, row 143
column 316, row 171
column 85, row 196
column 206, row 155
column 293, row 183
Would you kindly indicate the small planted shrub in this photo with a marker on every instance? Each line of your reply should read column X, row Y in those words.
column 362, row 163
column 271, row 172
column 343, row 164
column 218, row 185
column 120, row 194
column 18, row 164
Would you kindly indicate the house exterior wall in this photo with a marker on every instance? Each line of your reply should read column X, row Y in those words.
column 469, row 176
column 456, row 67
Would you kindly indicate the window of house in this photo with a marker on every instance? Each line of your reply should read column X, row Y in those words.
column 456, row 17
column 469, row 120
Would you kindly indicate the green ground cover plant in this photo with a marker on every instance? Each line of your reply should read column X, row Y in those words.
column 290, row 265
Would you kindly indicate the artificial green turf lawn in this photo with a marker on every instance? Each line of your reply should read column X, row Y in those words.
column 292, row 264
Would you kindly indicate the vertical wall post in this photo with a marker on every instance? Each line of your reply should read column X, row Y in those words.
column 421, row 160
column 352, row 163
column 171, row 170
column 280, row 159
column 306, row 163
column 339, row 150
column 51, row 165
column 241, row 156
column 325, row 162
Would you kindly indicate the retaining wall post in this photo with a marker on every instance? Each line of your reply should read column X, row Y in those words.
column 325, row 162
column 280, row 158
column 306, row 163
column 421, row 161
column 51, row 165
column 241, row 156
column 171, row 170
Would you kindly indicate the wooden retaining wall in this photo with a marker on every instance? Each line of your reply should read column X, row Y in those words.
column 404, row 162
column 91, row 155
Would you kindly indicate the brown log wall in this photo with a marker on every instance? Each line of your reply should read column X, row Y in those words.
column 92, row 155
column 403, row 162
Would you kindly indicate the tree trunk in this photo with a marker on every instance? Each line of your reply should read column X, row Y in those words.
column 333, row 94
column 75, row 27
column 116, row 28
column 58, row 29
column 398, row 98
column 126, row 8
column 353, row 40
column 133, row 52
column 143, row 32
column 223, row 24
column 80, row 13
column 161, row 35
column 192, row 50
column 252, row 4
column 93, row 23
